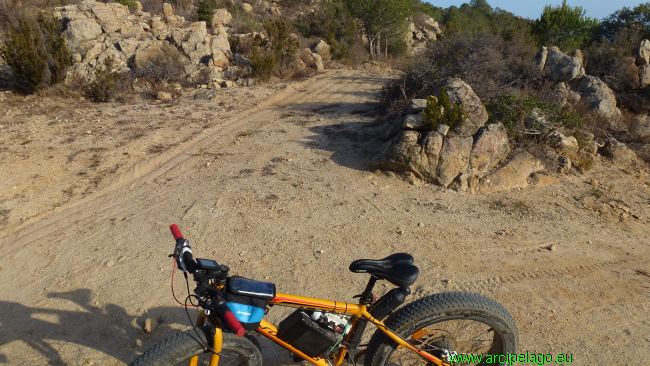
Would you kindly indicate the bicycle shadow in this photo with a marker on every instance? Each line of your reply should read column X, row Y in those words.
column 110, row 329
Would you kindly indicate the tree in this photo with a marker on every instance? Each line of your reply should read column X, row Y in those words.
column 626, row 18
column 380, row 18
column 564, row 26
column 205, row 10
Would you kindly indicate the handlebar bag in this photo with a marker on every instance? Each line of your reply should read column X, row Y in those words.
column 247, row 299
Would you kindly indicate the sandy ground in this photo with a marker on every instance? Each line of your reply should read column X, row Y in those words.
column 274, row 182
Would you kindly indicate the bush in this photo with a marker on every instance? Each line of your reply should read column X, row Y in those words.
column 440, row 111
column 205, row 10
column 108, row 85
column 35, row 50
column 333, row 23
column 487, row 62
column 263, row 62
column 612, row 59
column 565, row 26
column 277, row 55
column 165, row 65
column 129, row 3
column 626, row 18
column 513, row 110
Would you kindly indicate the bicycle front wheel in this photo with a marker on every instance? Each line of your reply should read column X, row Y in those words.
column 179, row 348
column 443, row 324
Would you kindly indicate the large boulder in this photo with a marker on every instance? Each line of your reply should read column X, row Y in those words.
column 567, row 145
column 406, row 154
column 619, row 152
column 562, row 67
column 112, row 17
column 490, row 148
column 454, row 158
column 599, row 98
column 421, row 30
column 474, row 112
column 312, row 59
column 324, row 50
column 79, row 31
column 644, row 52
column 514, row 174
column 640, row 129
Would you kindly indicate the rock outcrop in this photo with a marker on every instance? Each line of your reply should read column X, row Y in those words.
column 644, row 52
column 599, row 98
column 324, row 50
column 515, row 174
column 559, row 66
column 454, row 158
column 474, row 112
column 491, row 147
column 421, row 30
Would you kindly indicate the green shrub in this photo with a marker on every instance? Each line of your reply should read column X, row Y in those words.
column 129, row 3
column 263, row 62
column 35, row 51
column 636, row 18
column 165, row 65
column 205, row 10
column 512, row 111
column 333, row 23
column 489, row 63
column 276, row 55
column 565, row 26
column 440, row 111
column 108, row 85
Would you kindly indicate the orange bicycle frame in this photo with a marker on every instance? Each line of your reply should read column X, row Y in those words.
column 356, row 311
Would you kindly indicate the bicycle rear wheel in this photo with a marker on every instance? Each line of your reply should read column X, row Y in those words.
column 179, row 348
column 442, row 324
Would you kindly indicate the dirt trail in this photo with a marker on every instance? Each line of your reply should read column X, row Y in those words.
column 281, row 191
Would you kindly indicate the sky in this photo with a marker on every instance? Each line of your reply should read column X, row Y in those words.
column 533, row 8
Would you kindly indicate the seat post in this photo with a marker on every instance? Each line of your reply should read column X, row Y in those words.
column 366, row 296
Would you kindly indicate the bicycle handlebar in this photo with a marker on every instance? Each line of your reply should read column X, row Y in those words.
column 176, row 232
column 223, row 310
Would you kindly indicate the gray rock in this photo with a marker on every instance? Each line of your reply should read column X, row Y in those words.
column 562, row 67
column 418, row 105
column 567, row 145
column 82, row 30
column 491, row 147
column 442, row 129
column 312, row 59
column 644, row 52
column 640, row 129
column 406, row 154
column 599, row 98
column 619, row 152
column 454, row 158
column 540, row 58
column 536, row 121
column 324, row 50
column 473, row 109
column 514, row 174
column 414, row 121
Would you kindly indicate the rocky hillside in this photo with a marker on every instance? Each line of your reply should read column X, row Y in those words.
column 478, row 155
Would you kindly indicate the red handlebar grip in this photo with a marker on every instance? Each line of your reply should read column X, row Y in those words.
column 233, row 323
column 176, row 232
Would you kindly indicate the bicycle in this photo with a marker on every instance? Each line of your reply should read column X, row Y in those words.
column 325, row 332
